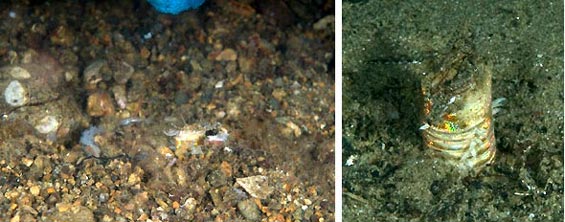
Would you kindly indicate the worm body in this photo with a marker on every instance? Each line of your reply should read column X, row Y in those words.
column 457, row 112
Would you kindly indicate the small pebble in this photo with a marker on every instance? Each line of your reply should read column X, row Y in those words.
column 34, row 190
column 249, row 210
column 219, row 84
column 122, row 72
column 47, row 125
column 100, row 104
column 16, row 94
column 103, row 197
column 92, row 74
column 217, row 178
column 256, row 186
column 227, row 55
column 27, row 161
column 18, row 72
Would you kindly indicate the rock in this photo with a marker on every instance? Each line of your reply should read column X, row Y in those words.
column 217, row 178
column 122, row 71
column 120, row 95
column 249, row 210
column 34, row 190
column 100, row 104
column 68, row 212
column 47, row 124
column 227, row 55
column 256, row 186
column 17, row 72
column 93, row 73
column 15, row 94
column 62, row 36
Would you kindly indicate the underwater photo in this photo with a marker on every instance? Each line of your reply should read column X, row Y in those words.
column 167, row 110
column 452, row 110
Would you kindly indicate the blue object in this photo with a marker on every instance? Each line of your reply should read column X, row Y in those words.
column 87, row 139
column 175, row 6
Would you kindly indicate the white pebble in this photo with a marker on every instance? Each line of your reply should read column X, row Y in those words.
column 148, row 36
column 15, row 94
column 47, row 125
column 425, row 126
column 219, row 84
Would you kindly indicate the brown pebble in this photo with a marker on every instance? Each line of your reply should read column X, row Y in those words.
column 246, row 65
column 227, row 55
column 145, row 53
column 276, row 217
column 100, row 104
column 226, row 168
column 143, row 217
column 62, row 36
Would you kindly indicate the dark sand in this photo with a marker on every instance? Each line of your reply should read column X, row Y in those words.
column 393, row 177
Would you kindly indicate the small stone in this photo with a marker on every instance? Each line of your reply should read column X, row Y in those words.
column 27, row 161
column 176, row 205
column 219, row 84
column 100, row 104
column 246, row 65
column 226, row 168
column 62, row 36
column 227, row 55
column 292, row 128
column 145, row 53
column 122, row 72
column 51, row 190
column 63, row 207
column 47, row 125
column 12, row 195
column 217, row 178
column 103, row 197
column 190, row 205
column 279, row 94
column 256, row 186
column 133, row 179
column 120, row 95
column 165, row 151
column 34, row 190
column 17, row 72
column 249, row 210
column 142, row 197
column 16, row 94
column 92, row 74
